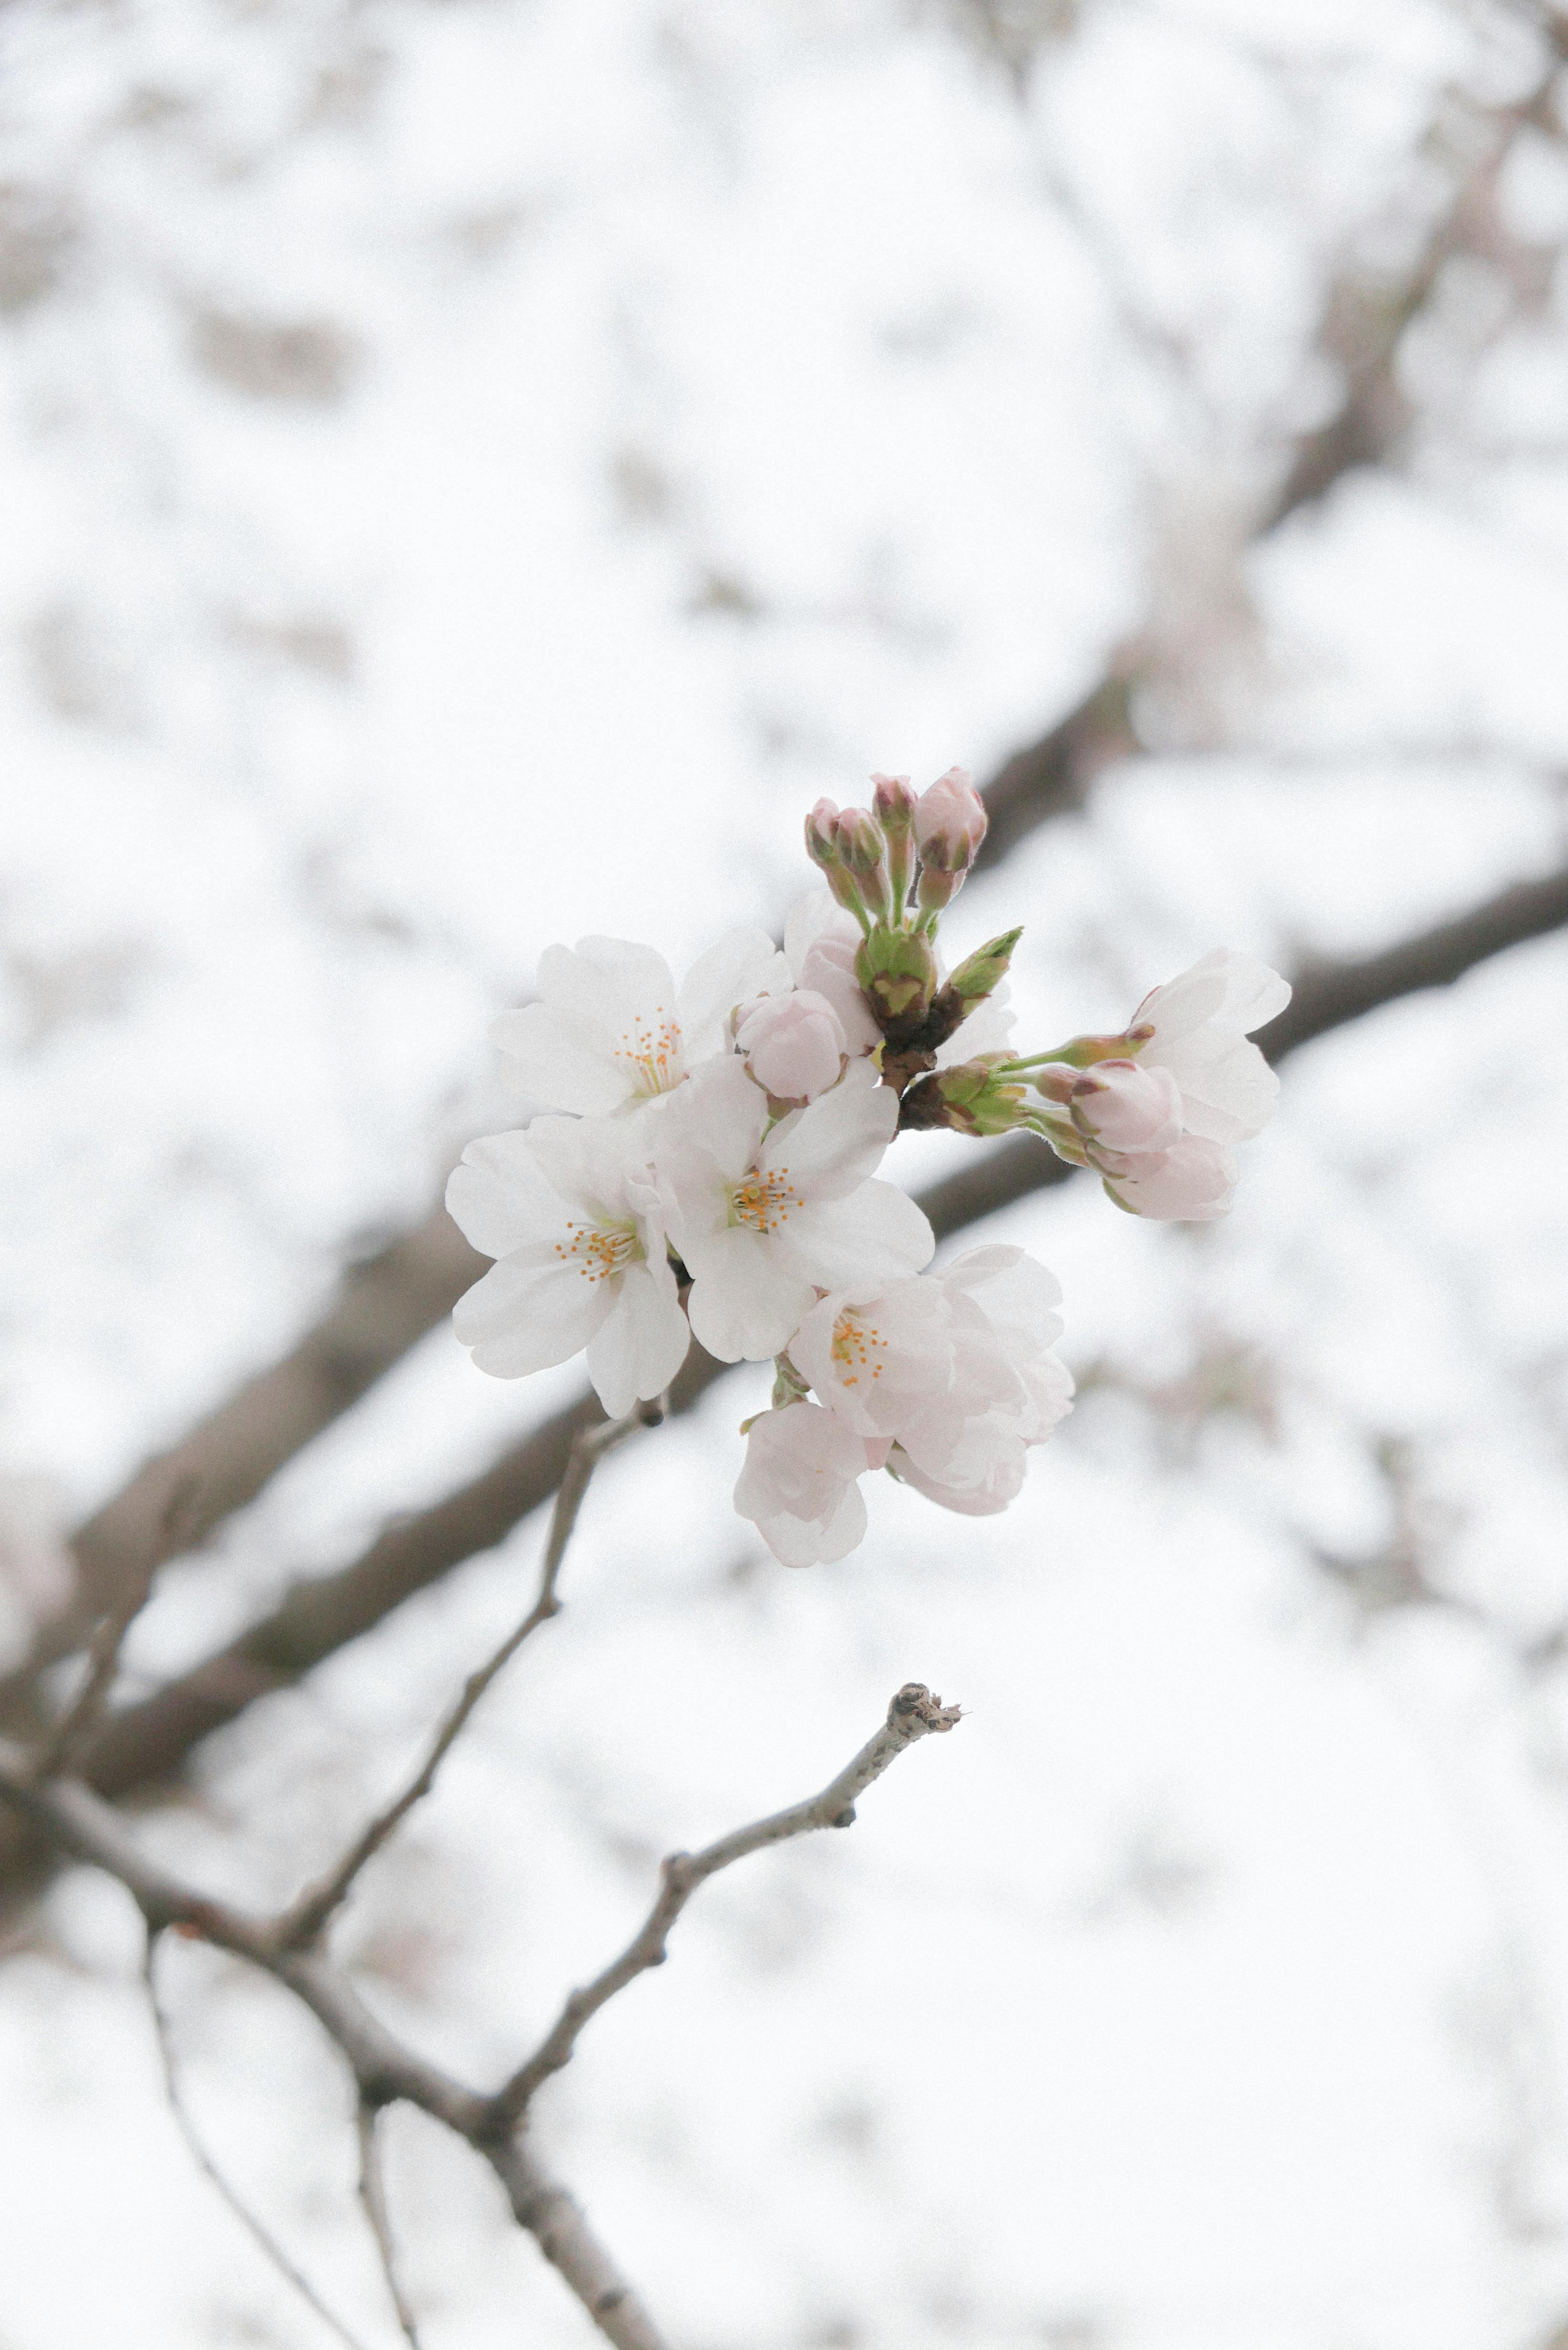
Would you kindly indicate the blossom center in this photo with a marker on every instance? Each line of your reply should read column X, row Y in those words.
column 858, row 1349
column 650, row 1050
column 763, row 1202
column 600, row 1251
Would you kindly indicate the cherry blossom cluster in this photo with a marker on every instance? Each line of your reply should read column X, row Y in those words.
column 704, row 1161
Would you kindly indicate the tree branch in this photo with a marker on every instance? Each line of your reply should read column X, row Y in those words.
column 261, row 2235
column 373, row 2197
column 147, row 1742
column 389, row 1302
column 382, row 1307
column 914, row 1713
column 305, row 1923
column 82, row 1825
column 78, row 1822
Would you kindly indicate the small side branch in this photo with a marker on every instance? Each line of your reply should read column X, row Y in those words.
column 72, row 1732
column 256, row 2228
column 305, row 1922
column 373, row 2197
column 914, row 1713
column 80, row 1823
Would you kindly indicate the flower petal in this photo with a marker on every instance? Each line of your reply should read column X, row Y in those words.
column 500, row 1196
column 524, row 1317
column 559, row 1057
column 642, row 1344
column 746, row 1302
column 831, row 1147
column 744, row 962
column 876, row 1234
column 1019, row 1298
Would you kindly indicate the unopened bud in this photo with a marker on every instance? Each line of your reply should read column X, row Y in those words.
column 825, row 845
column 897, row 973
column 1118, row 1106
column 949, row 823
column 985, row 969
column 894, row 805
column 974, row 1099
column 822, row 835
column 865, row 852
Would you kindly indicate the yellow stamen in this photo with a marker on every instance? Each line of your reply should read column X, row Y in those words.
column 600, row 1251
column 857, row 1346
column 651, row 1052
column 763, row 1202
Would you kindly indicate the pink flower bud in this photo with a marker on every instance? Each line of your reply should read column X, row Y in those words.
column 1120, row 1107
column 893, row 808
column 949, row 823
column 821, row 834
column 827, row 833
column 865, row 852
column 794, row 1045
column 893, row 802
column 1189, row 1183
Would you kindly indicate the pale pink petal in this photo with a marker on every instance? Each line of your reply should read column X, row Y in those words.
column 983, row 1500
column 500, row 1196
column 642, row 1341
column 800, row 1486
column 558, row 1057
column 831, row 1146
column 793, row 1045
column 525, row 1317
column 1190, row 1184
column 1018, row 1295
column 1129, row 1106
column 875, row 1235
column 744, row 962
column 745, row 1302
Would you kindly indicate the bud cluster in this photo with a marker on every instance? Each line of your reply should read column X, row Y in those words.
column 706, row 1168
column 901, row 861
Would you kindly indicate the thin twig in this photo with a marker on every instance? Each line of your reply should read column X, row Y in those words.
column 75, row 1728
column 257, row 2229
column 914, row 1713
column 303, row 1922
column 373, row 2196
column 82, row 1825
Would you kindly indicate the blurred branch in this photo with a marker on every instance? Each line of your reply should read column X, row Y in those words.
column 147, row 1742
column 382, row 1307
column 373, row 2196
column 78, row 1822
column 914, row 1713
column 311, row 1913
column 76, row 1726
column 1363, row 323
column 386, row 1305
column 257, row 2229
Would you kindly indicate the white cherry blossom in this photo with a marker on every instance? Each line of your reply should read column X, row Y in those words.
column 765, row 1219
column 874, row 1360
column 956, row 1368
column 1200, row 1024
column 800, row 1484
column 1007, row 1390
column 571, row 1213
column 611, row 1029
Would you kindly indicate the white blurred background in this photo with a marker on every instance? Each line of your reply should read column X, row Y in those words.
column 474, row 471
